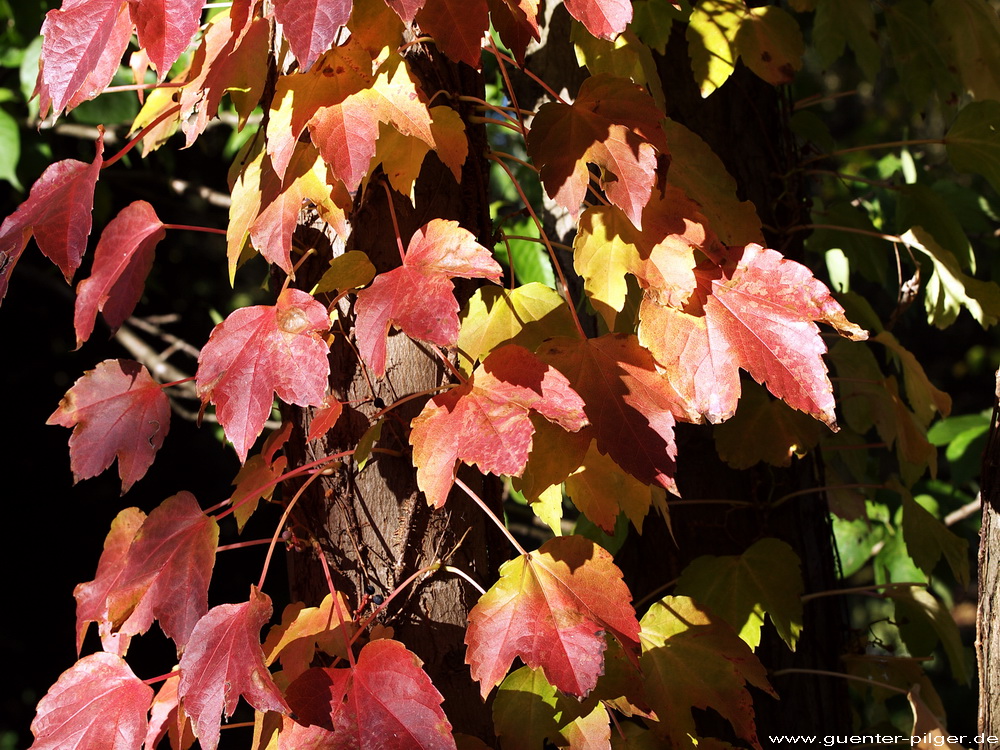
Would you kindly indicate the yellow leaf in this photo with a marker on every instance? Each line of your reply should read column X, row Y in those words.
column 711, row 37
column 601, row 490
column 770, row 43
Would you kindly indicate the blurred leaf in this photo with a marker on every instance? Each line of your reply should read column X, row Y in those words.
column 969, row 32
column 923, row 69
column 973, row 141
column 840, row 23
column 924, row 622
column 928, row 540
column 10, row 148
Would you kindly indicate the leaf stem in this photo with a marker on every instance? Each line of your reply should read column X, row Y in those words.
column 824, row 488
column 336, row 601
column 828, row 673
column 505, row 155
column 462, row 574
column 871, row 146
column 190, row 228
column 139, row 136
column 502, row 57
column 861, row 589
column 143, row 87
column 188, row 379
column 492, row 516
column 395, row 224
column 493, row 121
column 159, row 678
column 392, row 595
column 506, row 82
column 241, row 545
column 281, row 525
column 548, row 245
column 849, row 230
column 852, row 178
column 540, row 241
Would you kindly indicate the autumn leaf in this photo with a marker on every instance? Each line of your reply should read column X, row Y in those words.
column 614, row 124
column 122, row 261
column 83, row 45
column 58, row 214
column 324, row 418
column 458, row 27
column 164, row 29
column 98, row 702
column 418, row 296
column 167, row 718
column 528, row 711
column 603, row 18
column 92, row 597
column 385, row 701
column 601, row 491
column 303, row 630
column 551, row 608
column 224, row 661
column 757, row 316
column 161, row 572
column 741, row 589
column 485, row 421
column 630, row 405
column 311, row 26
column 516, row 21
column 259, row 351
column 117, row 411
column 255, row 474
column 770, row 43
column 525, row 316
column 692, row 660
column 928, row 728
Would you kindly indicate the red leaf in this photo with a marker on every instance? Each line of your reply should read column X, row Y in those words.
column 418, row 296
column 162, row 571
column 757, row 316
column 406, row 9
column 57, row 213
column 117, row 411
column 386, row 702
column 167, row 718
column 224, row 661
column 458, row 27
column 165, row 28
column 486, row 421
column 122, row 261
column 325, row 418
column 603, row 18
column 517, row 23
column 552, row 608
column 614, row 124
column 92, row 597
column 98, row 702
column 310, row 26
column 259, row 351
column 629, row 403
column 84, row 41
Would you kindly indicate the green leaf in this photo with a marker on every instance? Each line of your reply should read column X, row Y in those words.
column 974, row 141
column 10, row 149
column 351, row 270
column 851, row 23
column 924, row 622
column 625, row 57
column 770, row 43
column 741, row 589
column 969, row 31
column 924, row 398
column 928, row 540
column 923, row 69
column 921, row 205
column 528, row 711
column 652, row 21
column 692, row 659
column 949, row 290
column 856, row 541
column 531, row 259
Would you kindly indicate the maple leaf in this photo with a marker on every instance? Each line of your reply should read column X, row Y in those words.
column 630, row 405
column 485, row 421
column 601, row 490
column 741, row 589
column 692, row 660
column 163, row 573
column 458, row 27
column 304, row 629
column 757, row 316
column 324, row 418
column 167, row 718
column 517, row 23
column 603, row 18
column 551, row 607
column 98, row 702
column 83, row 44
column 384, row 702
column 418, row 296
column 117, row 411
column 259, row 351
column 164, row 29
column 311, row 27
column 614, row 124
column 122, row 261
column 222, row 662
column 58, row 214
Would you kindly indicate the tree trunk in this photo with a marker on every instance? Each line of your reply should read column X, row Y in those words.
column 373, row 525
column 988, row 616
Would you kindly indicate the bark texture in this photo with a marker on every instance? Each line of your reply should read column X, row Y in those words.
column 988, row 616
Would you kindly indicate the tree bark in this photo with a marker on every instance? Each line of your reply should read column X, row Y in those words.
column 988, row 615
column 373, row 526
